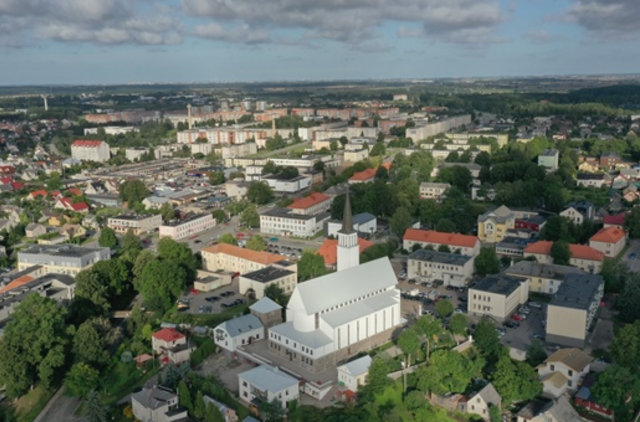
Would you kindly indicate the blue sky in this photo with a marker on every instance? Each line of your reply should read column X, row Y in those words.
column 129, row 41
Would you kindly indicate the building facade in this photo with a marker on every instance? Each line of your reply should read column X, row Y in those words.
column 257, row 281
column 452, row 269
column 224, row 257
column 188, row 227
column 61, row 259
column 90, row 151
column 610, row 241
column 497, row 297
column 466, row 245
column 136, row 223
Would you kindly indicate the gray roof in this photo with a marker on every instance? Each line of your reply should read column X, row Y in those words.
column 347, row 218
column 489, row 395
column 267, row 274
column 435, row 185
column 153, row 398
column 549, row 152
column 61, row 250
column 360, row 308
column 536, row 269
column 440, row 257
column 500, row 214
column 578, row 291
column 358, row 366
column 337, row 288
column 268, row 378
column 287, row 213
column 236, row 326
column 312, row 339
column 498, row 284
column 264, row 306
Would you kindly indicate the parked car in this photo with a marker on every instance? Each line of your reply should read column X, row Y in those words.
column 524, row 310
column 458, row 311
column 450, row 287
column 516, row 317
column 511, row 324
column 632, row 255
column 212, row 299
column 425, row 284
column 534, row 305
column 536, row 336
column 412, row 281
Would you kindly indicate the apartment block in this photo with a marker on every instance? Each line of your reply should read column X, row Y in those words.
column 431, row 190
column 497, row 296
column 452, row 269
column 138, row 224
column 180, row 229
column 61, row 259
column 90, row 151
column 259, row 280
column 224, row 257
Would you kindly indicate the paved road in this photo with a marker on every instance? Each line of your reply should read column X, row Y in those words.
column 60, row 408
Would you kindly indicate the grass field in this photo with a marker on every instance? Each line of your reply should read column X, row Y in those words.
column 29, row 406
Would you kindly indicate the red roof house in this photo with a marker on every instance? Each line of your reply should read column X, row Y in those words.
column 468, row 245
column 615, row 220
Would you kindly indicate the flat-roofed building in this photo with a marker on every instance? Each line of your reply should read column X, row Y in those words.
column 497, row 296
column 260, row 279
column 267, row 383
column 61, row 259
column 549, row 159
column 452, row 269
column 543, row 278
column 431, row 190
column 287, row 222
column 137, row 223
column 572, row 310
column 194, row 225
column 232, row 258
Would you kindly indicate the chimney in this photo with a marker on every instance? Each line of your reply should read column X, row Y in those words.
column 273, row 125
column 189, row 119
column 46, row 105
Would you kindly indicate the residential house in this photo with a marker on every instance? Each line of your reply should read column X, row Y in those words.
column 364, row 176
column 157, row 404
column 549, row 159
column 533, row 224
column 616, row 220
column 543, row 278
column 33, row 230
column 232, row 258
column 238, row 332
column 577, row 212
column 610, row 241
column 584, row 257
column 172, row 346
column 431, row 190
column 572, row 310
column 493, row 225
column 452, row 269
column 591, row 180
column 105, row 199
column 258, row 281
column 466, row 245
column 585, row 398
column 354, row 374
column 68, row 204
column 562, row 371
column 228, row 414
column 610, row 159
column 266, row 383
column 497, row 296
column 155, row 202
column 479, row 402
column 559, row 410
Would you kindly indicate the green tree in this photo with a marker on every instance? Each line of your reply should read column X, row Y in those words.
column 167, row 212
column 184, row 396
column 133, row 192
column 199, row 407
column 515, row 381
column 487, row 262
column 561, row 252
column 458, row 324
column 444, row 248
column 91, row 295
column 382, row 174
column 259, row 193
column 487, row 340
column 495, row 414
column 161, row 282
column 457, row 176
column 250, row 217
column 271, row 411
column 378, row 149
column 141, row 261
column 216, row 178
column 429, row 327
column 626, row 347
column 93, row 409
column 400, row 221
column 275, row 293
column 614, row 275
column 536, row 353
column 228, row 238
column 444, row 308
column 409, row 343
column 270, row 168
column 448, row 371
column 212, row 414
column 92, row 341
column 179, row 254
column 81, row 379
column 219, row 215
column 429, row 212
column 310, row 265
column 629, row 301
column 33, row 345
column 257, row 243
column 108, row 238
column 613, row 385
column 632, row 223
column 131, row 247
column 115, row 273
column 445, row 225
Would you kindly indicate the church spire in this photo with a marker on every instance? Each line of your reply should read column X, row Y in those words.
column 347, row 219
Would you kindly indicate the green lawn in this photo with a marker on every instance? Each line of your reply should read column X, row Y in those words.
column 29, row 406
column 210, row 320
column 123, row 379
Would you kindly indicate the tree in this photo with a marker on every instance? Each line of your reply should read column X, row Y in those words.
column 161, row 282
column 409, row 343
column 212, row 413
column 259, row 193
column 561, row 252
column 400, row 221
column 429, row 212
column 444, row 248
column 179, row 254
column 536, row 353
column 457, row 176
column 250, row 216
column 91, row 295
column 614, row 275
column 378, row 149
column 108, row 238
column 228, row 239
column 288, row 173
column 275, row 293
column 515, row 381
column 629, row 301
column 141, row 261
column 167, row 212
column 131, row 247
column 632, row 223
column 184, row 396
column 199, row 407
column 133, row 192
column 458, row 324
column 216, row 178
column 613, row 386
column 271, row 411
column 444, row 308
column 429, row 327
column 487, row 262
column 382, row 174
column 495, row 414
column 219, row 215
column 487, row 340
column 81, row 379
column 310, row 265
column 93, row 409
column 448, row 372
column 114, row 273
column 445, row 225
column 626, row 346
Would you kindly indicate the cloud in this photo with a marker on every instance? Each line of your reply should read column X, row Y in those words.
column 355, row 21
column 105, row 22
column 611, row 18
column 240, row 34
column 538, row 36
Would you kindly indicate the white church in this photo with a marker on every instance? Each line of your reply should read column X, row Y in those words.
column 336, row 316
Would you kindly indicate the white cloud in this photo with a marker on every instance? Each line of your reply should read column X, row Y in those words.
column 612, row 18
column 239, row 34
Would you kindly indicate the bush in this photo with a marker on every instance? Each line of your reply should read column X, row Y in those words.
column 205, row 350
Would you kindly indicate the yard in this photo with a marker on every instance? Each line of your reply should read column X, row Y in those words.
column 125, row 378
column 28, row 407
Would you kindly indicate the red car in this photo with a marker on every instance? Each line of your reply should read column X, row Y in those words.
column 516, row 317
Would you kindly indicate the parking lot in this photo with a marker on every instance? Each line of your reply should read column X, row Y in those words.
column 423, row 297
column 214, row 301
column 522, row 336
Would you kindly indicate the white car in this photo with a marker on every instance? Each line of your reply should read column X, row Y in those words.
column 534, row 305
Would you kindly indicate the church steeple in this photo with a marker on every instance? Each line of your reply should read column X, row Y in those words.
column 348, row 248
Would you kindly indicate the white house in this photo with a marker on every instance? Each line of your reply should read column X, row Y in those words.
column 354, row 374
column 238, row 332
column 563, row 370
column 610, row 241
column 363, row 223
column 497, row 296
column 158, row 405
column 90, row 151
column 179, row 229
column 267, row 383
column 452, row 269
column 466, row 245
column 430, row 190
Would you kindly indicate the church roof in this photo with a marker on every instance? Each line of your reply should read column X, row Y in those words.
column 347, row 220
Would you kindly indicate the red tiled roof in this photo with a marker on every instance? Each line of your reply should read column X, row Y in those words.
column 615, row 220
column 543, row 247
column 6, row 180
column 75, row 191
column 168, row 334
column 7, row 169
column 329, row 249
column 440, row 238
column 85, row 143
column 40, row 192
column 17, row 185
column 254, row 256
column 20, row 281
column 309, row 201
column 608, row 235
column 79, row 206
column 363, row 175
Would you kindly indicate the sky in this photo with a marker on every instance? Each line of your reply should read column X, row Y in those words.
column 51, row 42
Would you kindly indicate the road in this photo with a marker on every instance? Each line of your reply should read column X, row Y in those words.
column 60, row 408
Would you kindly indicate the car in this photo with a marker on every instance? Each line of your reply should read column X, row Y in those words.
column 523, row 316
column 412, row 281
column 462, row 299
column 524, row 310
column 536, row 336
column 427, row 301
column 239, row 301
column 501, row 331
column 226, row 294
column 427, row 312
column 197, row 241
column 438, row 283
column 534, row 305
column 632, row 255
column 448, row 297
column 425, row 284
column 512, row 324
column 212, row 299
column 458, row 311
column 450, row 287
column 516, row 317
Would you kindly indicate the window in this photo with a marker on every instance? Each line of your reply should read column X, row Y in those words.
column 570, row 373
column 552, row 367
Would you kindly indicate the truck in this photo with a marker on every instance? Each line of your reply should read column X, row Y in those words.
column 433, row 294
column 413, row 292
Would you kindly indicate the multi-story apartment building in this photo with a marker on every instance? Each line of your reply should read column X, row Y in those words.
column 259, row 280
column 135, row 153
column 144, row 223
column 452, row 269
column 584, row 257
column 420, row 132
column 497, row 296
column 313, row 204
column 543, row 278
column 430, row 190
column 285, row 222
column 466, row 245
column 180, row 229
column 610, row 241
column 61, row 259
column 573, row 309
column 238, row 150
column 494, row 225
column 90, row 151
column 224, row 257
column 549, row 159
